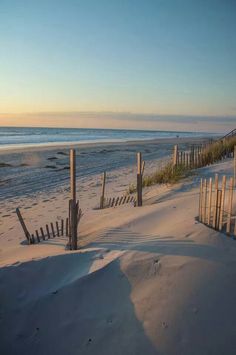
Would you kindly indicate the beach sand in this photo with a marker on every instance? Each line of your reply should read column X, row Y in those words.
column 149, row 280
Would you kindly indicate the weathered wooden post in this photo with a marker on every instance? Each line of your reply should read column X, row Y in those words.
column 73, row 209
column 175, row 155
column 42, row 233
column 37, row 235
column 230, row 202
column 53, row 232
column 215, row 202
column 209, row 202
column 184, row 158
column 200, row 202
column 73, row 174
column 73, row 224
column 57, row 227
column 139, row 179
column 25, row 230
column 204, row 205
column 143, row 167
column 221, row 212
column 103, row 190
column 219, row 194
column 47, row 229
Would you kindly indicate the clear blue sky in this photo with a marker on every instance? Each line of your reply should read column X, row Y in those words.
column 162, row 57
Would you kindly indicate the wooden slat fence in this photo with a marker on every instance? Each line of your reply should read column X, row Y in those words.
column 216, row 204
column 119, row 200
column 194, row 157
column 50, row 231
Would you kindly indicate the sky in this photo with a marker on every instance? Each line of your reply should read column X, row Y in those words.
column 118, row 63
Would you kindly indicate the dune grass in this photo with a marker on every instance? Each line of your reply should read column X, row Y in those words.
column 169, row 175
column 218, row 150
column 166, row 175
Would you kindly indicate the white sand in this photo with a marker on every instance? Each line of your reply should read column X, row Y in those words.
column 148, row 280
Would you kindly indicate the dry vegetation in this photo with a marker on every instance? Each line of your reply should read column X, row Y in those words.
column 168, row 174
column 218, row 150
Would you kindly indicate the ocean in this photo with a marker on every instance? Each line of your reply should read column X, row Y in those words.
column 22, row 136
column 30, row 171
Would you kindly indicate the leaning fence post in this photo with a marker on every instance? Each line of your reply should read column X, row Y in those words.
column 47, row 229
column 37, row 235
column 221, row 216
column 139, row 179
column 52, row 228
column 26, row 232
column 103, row 190
column 230, row 202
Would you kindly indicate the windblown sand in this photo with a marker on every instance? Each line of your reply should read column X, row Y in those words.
column 148, row 280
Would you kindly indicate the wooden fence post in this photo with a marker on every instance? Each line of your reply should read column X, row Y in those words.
column 73, row 224
column 204, row 201
column 26, row 232
column 209, row 202
column 52, row 228
column 230, row 202
column 57, row 227
column 62, row 227
column 73, row 174
column 48, row 233
column 218, row 206
column 139, row 179
column 73, row 204
column 42, row 233
column 221, row 216
column 200, row 203
column 215, row 202
column 175, row 155
column 103, row 190
column 37, row 236
column 143, row 167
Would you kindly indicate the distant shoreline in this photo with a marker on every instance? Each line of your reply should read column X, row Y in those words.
column 17, row 148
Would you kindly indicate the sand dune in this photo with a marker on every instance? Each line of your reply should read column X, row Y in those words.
column 148, row 280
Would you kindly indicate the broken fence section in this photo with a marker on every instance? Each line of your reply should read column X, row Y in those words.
column 60, row 228
column 117, row 201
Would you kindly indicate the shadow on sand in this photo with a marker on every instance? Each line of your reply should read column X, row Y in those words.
column 53, row 306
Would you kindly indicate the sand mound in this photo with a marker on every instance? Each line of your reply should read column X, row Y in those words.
column 138, row 303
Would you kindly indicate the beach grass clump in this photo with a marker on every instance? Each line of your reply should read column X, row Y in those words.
column 166, row 175
column 131, row 189
column 218, row 150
